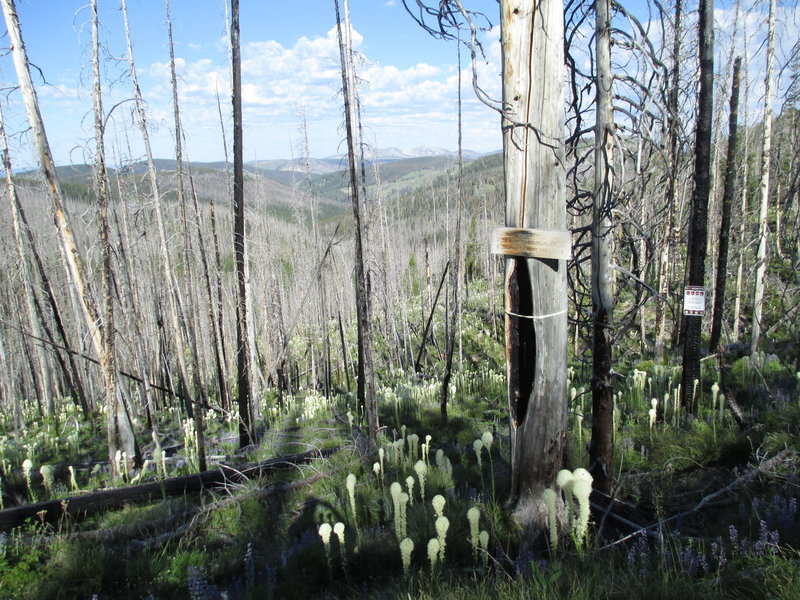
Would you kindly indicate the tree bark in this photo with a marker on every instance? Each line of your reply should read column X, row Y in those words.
column 242, row 346
column 727, row 201
column 532, row 36
column 602, row 450
column 698, row 222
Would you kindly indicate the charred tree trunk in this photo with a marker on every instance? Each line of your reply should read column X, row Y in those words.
column 242, row 346
column 698, row 221
column 727, row 201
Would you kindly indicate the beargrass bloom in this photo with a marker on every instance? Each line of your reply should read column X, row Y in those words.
column 338, row 530
column 325, row 533
column 48, row 478
column 433, row 551
column 410, row 486
column 395, row 490
column 406, row 548
column 442, row 525
column 549, row 498
column 421, row 469
column 350, row 483
column 438, row 503
column 477, row 446
column 473, row 517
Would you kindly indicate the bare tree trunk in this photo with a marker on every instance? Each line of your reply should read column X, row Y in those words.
column 173, row 294
column 246, row 436
column 455, row 272
column 69, row 371
column 535, row 289
column 698, row 221
column 727, row 200
column 366, row 369
column 763, row 229
column 43, row 381
column 75, row 268
column 198, row 414
column 118, row 426
column 602, row 451
column 668, row 238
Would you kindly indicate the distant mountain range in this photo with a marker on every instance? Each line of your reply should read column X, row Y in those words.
column 286, row 170
column 331, row 164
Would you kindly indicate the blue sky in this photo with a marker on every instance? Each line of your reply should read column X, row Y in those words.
column 290, row 64
column 290, row 60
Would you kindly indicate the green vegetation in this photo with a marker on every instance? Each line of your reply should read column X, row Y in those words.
column 263, row 538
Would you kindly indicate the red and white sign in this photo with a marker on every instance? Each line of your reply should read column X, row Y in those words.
column 694, row 301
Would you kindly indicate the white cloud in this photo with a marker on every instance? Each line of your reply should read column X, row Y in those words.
column 277, row 79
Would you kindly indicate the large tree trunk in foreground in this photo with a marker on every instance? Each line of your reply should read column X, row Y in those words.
column 535, row 288
column 698, row 220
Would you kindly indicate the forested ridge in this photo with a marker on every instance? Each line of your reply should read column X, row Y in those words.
column 568, row 369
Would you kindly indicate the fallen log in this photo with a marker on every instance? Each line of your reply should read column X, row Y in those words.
column 52, row 511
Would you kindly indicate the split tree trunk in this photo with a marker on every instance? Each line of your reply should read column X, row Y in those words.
column 532, row 37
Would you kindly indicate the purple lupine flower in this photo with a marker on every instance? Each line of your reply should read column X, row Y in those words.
column 733, row 534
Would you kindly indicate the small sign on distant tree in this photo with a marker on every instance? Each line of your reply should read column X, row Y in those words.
column 694, row 301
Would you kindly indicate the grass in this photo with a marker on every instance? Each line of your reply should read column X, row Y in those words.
column 260, row 539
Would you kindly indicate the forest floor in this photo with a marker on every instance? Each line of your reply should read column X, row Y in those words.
column 704, row 508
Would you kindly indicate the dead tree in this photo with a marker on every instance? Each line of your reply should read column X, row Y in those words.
column 727, row 201
column 242, row 342
column 535, row 286
column 73, row 261
column 763, row 228
column 698, row 221
column 367, row 395
column 602, row 449
column 118, row 422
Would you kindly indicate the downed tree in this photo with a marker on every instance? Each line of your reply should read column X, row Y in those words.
column 52, row 511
